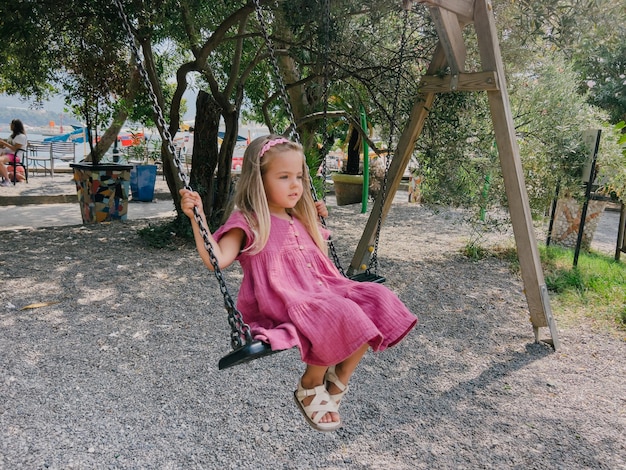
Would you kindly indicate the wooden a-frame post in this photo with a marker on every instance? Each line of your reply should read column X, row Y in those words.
column 450, row 17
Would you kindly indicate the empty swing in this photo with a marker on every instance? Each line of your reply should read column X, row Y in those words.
column 245, row 347
column 369, row 273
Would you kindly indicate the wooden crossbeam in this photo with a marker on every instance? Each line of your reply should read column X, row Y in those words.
column 477, row 81
column 464, row 9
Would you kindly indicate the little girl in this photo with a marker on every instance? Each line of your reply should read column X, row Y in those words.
column 291, row 293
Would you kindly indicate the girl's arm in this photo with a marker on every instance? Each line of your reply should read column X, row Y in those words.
column 14, row 147
column 230, row 243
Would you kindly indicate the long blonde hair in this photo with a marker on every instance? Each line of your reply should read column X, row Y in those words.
column 250, row 196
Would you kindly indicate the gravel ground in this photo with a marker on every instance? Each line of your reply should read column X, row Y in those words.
column 120, row 371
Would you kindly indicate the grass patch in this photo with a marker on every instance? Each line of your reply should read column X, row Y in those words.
column 594, row 290
column 475, row 251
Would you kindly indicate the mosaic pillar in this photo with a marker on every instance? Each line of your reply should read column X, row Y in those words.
column 102, row 191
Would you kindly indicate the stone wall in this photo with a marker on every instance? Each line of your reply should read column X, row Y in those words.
column 567, row 222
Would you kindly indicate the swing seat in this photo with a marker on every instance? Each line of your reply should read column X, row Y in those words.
column 245, row 353
column 368, row 277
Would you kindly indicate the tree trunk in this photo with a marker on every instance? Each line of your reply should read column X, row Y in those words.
column 205, row 155
column 170, row 171
column 223, row 204
column 352, row 165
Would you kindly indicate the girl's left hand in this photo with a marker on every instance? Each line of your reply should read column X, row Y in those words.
column 322, row 210
column 189, row 200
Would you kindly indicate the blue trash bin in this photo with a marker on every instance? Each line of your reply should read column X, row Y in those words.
column 142, row 181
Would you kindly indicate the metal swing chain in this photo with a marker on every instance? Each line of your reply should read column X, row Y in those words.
column 373, row 264
column 293, row 134
column 239, row 329
column 326, row 136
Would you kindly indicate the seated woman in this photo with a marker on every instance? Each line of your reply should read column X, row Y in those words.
column 8, row 147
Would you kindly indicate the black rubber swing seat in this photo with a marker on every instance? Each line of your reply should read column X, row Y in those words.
column 245, row 353
column 368, row 277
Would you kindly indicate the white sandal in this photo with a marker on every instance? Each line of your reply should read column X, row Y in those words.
column 331, row 377
column 321, row 405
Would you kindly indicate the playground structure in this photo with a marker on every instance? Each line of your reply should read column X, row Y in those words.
column 446, row 73
column 450, row 18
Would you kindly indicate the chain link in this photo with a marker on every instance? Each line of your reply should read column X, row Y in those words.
column 240, row 331
column 293, row 133
column 326, row 136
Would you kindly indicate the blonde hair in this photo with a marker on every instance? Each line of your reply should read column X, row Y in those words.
column 250, row 196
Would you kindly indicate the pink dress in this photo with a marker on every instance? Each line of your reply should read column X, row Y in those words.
column 293, row 295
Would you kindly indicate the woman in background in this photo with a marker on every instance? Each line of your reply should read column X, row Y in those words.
column 8, row 147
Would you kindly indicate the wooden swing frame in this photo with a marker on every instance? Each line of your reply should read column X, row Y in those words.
column 450, row 18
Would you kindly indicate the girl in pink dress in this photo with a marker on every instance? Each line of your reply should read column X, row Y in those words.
column 292, row 294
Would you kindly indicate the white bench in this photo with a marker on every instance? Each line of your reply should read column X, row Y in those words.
column 39, row 155
column 42, row 154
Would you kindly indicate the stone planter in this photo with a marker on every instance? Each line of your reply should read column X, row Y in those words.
column 102, row 191
column 348, row 188
column 567, row 222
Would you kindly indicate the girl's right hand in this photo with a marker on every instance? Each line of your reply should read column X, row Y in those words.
column 189, row 200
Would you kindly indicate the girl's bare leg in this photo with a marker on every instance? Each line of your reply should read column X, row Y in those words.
column 346, row 368
column 314, row 376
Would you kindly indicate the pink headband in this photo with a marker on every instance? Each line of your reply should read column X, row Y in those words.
column 270, row 143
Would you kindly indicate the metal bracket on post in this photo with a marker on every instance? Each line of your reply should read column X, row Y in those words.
column 454, row 82
column 545, row 299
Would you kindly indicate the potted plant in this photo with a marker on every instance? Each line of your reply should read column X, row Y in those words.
column 96, row 92
column 102, row 187
column 348, row 182
column 102, row 190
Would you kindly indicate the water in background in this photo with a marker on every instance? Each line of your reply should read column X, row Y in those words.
column 154, row 142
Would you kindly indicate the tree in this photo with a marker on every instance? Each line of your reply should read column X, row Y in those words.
column 96, row 78
column 350, row 52
column 551, row 118
column 605, row 71
column 230, row 59
column 28, row 62
column 589, row 34
column 74, row 50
